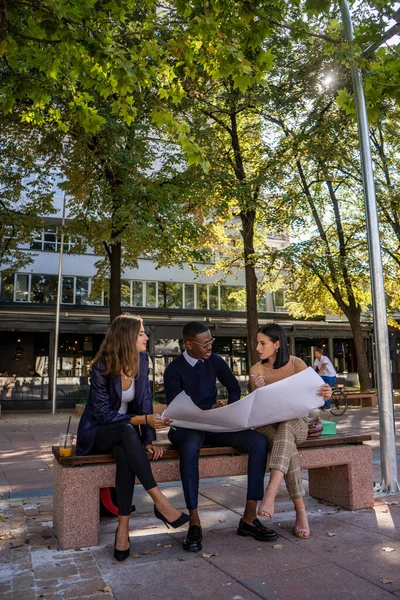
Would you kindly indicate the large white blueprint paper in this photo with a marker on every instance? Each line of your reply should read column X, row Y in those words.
column 290, row 398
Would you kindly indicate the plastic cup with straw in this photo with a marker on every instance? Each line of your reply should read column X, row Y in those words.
column 65, row 441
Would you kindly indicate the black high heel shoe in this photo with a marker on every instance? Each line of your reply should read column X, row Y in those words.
column 121, row 554
column 184, row 518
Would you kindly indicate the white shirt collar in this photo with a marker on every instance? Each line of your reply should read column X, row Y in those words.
column 192, row 361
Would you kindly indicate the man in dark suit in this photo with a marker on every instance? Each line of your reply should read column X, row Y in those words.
column 196, row 371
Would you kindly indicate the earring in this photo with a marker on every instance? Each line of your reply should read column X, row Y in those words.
column 276, row 349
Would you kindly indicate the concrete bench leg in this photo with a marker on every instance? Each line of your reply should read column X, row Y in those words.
column 344, row 477
column 76, row 504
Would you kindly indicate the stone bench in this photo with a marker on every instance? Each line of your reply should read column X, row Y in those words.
column 340, row 472
column 362, row 399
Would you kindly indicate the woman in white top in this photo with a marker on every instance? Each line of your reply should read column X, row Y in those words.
column 119, row 419
column 276, row 364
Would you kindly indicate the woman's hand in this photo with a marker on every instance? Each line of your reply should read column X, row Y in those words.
column 154, row 452
column 325, row 391
column 156, row 422
column 219, row 403
column 259, row 380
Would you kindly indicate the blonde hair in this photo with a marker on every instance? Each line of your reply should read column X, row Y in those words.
column 118, row 350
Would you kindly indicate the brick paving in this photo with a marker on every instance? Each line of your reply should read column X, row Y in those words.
column 350, row 555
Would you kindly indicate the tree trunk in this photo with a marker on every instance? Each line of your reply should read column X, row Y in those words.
column 115, row 280
column 248, row 218
column 362, row 360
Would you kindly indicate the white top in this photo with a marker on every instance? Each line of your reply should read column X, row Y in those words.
column 127, row 396
column 329, row 370
column 192, row 361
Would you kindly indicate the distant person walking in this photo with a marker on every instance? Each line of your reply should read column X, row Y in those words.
column 326, row 370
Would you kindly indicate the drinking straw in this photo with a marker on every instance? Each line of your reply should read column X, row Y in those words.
column 66, row 435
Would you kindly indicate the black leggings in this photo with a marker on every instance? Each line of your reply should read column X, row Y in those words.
column 123, row 441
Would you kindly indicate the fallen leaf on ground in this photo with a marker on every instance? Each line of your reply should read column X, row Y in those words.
column 42, row 469
column 222, row 520
column 391, row 502
column 331, row 534
column 278, row 547
column 3, row 517
column 181, row 559
column 215, row 531
column 386, row 510
column 212, row 554
column 387, row 580
column 225, row 485
column 158, row 544
column 259, row 548
column 167, row 545
column 388, row 549
column 150, row 551
column 104, row 589
column 135, row 555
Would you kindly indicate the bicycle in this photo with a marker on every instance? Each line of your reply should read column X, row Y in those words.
column 339, row 402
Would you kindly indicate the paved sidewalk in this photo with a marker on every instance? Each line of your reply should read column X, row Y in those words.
column 350, row 555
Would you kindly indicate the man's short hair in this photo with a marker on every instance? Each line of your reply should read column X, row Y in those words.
column 193, row 328
column 318, row 350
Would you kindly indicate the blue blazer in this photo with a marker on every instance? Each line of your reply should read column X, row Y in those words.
column 104, row 401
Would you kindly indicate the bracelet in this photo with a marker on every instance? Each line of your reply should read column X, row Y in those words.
column 145, row 416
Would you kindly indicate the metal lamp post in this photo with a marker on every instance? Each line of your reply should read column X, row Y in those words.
column 384, row 379
column 58, row 305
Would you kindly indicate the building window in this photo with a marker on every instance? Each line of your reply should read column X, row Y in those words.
column 202, row 302
column 49, row 240
column 279, row 299
column 232, row 297
column 262, row 302
column 22, row 288
column 44, row 289
column 137, row 293
column 67, row 296
column 7, row 287
column 189, row 295
column 151, row 294
column 213, row 296
column 125, row 292
column 82, row 290
column 170, row 294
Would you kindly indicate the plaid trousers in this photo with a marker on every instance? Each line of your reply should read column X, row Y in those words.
column 284, row 437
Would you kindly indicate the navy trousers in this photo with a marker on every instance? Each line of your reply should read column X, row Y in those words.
column 189, row 441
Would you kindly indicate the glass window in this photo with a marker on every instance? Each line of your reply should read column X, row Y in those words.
column 82, row 290
column 189, row 295
column 137, row 293
column 125, row 292
column 213, row 294
column 96, row 293
column 22, row 288
column 50, row 239
column 170, row 294
column 279, row 298
column 231, row 297
column 44, row 289
column 151, row 294
column 202, row 296
column 67, row 296
column 7, row 287
column 262, row 302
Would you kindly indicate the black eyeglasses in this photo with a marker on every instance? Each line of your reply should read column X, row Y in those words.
column 209, row 343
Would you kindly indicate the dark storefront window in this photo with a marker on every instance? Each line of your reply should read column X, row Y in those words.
column 67, row 290
column 169, row 295
column 7, row 287
column 82, row 290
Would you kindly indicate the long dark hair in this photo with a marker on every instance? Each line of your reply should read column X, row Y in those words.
column 276, row 333
column 118, row 350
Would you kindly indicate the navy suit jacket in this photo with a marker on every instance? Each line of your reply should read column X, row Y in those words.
column 105, row 400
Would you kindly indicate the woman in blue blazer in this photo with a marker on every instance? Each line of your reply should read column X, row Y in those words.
column 118, row 418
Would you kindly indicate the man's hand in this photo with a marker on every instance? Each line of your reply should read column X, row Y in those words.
column 154, row 452
column 219, row 403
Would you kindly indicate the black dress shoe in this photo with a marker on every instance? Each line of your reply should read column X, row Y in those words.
column 120, row 555
column 193, row 539
column 182, row 520
column 257, row 531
